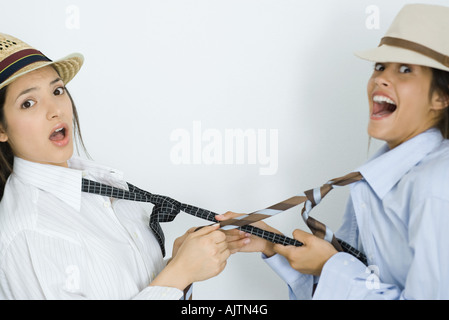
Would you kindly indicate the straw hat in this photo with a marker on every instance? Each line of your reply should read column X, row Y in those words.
column 418, row 35
column 18, row 58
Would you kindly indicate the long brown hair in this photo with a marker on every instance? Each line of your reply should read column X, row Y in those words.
column 6, row 153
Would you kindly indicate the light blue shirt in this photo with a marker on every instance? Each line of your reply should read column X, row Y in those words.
column 399, row 216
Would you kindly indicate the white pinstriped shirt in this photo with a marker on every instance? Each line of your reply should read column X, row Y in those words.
column 59, row 243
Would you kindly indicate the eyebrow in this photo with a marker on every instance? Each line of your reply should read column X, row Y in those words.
column 35, row 88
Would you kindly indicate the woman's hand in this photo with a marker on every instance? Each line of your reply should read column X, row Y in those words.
column 199, row 255
column 180, row 240
column 239, row 241
column 309, row 258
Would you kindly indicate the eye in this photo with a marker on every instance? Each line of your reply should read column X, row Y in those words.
column 405, row 69
column 379, row 67
column 28, row 104
column 59, row 91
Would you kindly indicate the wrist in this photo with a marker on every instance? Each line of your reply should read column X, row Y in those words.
column 268, row 251
column 172, row 276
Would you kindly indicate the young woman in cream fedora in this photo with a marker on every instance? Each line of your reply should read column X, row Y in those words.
column 55, row 241
column 398, row 215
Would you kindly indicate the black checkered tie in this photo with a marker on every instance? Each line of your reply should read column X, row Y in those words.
column 166, row 209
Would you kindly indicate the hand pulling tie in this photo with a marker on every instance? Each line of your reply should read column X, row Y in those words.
column 166, row 209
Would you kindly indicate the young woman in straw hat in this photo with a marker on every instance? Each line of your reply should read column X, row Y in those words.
column 399, row 213
column 55, row 241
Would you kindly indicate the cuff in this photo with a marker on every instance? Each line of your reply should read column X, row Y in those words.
column 159, row 293
column 337, row 277
column 280, row 265
column 300, row 285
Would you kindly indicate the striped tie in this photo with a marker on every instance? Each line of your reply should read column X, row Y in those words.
column 310, row 198
column 166, row 209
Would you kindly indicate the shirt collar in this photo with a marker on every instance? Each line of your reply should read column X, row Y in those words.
column 65, row 183
column 387, row 166
column 98, row 172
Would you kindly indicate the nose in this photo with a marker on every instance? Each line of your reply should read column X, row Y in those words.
column 53, row 110
column 382, row 79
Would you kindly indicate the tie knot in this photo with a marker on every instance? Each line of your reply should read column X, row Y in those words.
column 165, row 209
column 315, row 195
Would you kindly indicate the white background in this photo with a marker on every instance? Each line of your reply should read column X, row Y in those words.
column 152, row 67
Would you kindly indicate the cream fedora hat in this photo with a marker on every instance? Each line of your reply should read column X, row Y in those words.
column 18, row 58
column 418, row 35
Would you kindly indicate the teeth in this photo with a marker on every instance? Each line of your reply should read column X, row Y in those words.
column 382, row 99
column 57, row 130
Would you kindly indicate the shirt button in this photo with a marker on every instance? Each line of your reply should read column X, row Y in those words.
column 107, row 204
column 363, row 205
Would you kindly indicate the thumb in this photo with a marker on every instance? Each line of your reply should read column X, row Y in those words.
column 226, row 216
column 301, row 235
column 283, row 250
column 206, row 230
column 191, row 230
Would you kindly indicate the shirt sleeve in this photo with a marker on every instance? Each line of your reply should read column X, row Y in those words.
column 344, row 277
column 59, row 272
column 300, row 286
column 159, row 293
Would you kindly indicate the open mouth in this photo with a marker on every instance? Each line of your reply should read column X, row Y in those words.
column 383, row 106
column 59, row 134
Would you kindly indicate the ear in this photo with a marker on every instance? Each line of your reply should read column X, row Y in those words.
column 439, row 101
column 3, row 135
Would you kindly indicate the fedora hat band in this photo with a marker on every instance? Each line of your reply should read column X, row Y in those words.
column 416, row 47
column 19, row 60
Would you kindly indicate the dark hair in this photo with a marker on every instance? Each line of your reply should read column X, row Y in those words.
column 6, row 153
column 440, row 84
